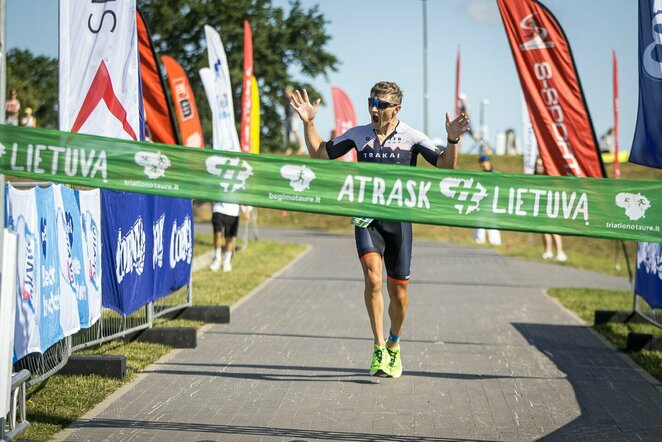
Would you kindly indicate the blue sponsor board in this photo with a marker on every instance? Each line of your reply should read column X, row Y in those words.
column 648, row 278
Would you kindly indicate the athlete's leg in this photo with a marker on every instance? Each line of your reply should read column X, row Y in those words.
column 398, row 305
column 371, row 264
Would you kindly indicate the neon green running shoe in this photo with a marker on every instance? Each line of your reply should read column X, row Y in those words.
column 395, row 363
column 380, row 361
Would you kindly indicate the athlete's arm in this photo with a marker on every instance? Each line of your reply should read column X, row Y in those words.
column 448, row 158
column 307, row 111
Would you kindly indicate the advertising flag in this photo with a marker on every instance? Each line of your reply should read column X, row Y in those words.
column 98, row 69
column 73, row 296
column 216, row 82
column 247, row 89
column 159, row 120
column 617, row 163
column 647, row 144
column 457, row 82
column 255, row 116
column 558, row 111
column 344, row 116
column 21, row 218
column 188, row 118
column 90, row 219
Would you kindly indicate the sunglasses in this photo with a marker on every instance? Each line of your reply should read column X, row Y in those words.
column 379, row 104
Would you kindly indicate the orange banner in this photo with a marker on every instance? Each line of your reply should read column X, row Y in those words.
column 159, row 122
column 246, row 94
column 345, row 118
column 554, row 96
column 185, row 107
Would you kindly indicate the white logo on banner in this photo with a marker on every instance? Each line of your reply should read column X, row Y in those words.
column 233, row 172
column 650, row 60
column 649, row 256
column 181, row 243
column 130, row 254
column 155, row 163
column 462, row 190
column 635, row 205
column 300, row 177
column 536, row 37
column 157, row 230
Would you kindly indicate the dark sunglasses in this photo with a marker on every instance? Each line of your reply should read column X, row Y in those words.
column 379, row 104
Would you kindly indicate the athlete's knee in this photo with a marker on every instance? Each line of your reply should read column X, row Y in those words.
column 373, row 279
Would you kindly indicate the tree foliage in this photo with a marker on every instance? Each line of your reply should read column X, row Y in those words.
column 283, row 42
column 35, row 81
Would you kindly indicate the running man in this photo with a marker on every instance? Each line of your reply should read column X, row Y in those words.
column 389, row 141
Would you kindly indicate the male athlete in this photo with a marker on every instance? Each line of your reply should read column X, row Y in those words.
column 389, row 141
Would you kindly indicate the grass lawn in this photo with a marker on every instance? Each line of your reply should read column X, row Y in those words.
column 584, row 302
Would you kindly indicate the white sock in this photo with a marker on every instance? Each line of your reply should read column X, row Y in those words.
column 217, row 253
column 227, row 256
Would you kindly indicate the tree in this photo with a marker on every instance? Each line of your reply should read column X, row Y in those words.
column 280, row 42
column 35, row 81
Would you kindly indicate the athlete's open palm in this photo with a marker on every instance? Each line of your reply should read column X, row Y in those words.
column 302, row 105
column 455, row 127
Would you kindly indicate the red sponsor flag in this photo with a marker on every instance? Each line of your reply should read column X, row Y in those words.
column 246, row 93
column 186, row 110
column 345, row 118
column 159, row 121
column 617, row 163
column 554, row 97
column 457, row 83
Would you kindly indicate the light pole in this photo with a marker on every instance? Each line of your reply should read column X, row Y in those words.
column 425, row 66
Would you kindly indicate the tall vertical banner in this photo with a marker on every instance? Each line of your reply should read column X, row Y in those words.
column 98, row 80
column 457, row 83
column 255, row 116
column 90, row 219
column 216, row 81
column 186, row 110
column 617, row 162
column 647, row 144
column 529, row 142
column 247, row 89
column 344, row 116
column 561, row 122
column 159, row 119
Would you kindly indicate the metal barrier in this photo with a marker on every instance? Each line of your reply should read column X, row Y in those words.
column 17, row 422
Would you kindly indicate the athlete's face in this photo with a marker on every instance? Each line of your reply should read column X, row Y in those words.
column 382, row 118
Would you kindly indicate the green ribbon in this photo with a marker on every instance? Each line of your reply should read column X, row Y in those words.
column 604, row 208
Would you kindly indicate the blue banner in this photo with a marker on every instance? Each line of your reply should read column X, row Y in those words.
column 50, row 329
column 647, row 143
column 173, row 244
column 126, row 256
column 648, row 278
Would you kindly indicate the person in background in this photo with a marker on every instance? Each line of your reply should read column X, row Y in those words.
column 225, row 221
column 386, row 140
column 550, row 240
column 493, row 235
column 28, row 120
column 12, row 109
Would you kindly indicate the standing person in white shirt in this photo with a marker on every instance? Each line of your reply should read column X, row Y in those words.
column 225, row 221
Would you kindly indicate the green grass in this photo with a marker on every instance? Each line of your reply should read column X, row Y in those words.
column 60, row 400
column 584, row 302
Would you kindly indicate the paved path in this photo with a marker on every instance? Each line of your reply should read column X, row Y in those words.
column 487, row 356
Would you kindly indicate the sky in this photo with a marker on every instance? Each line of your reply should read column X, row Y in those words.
column 383, row 40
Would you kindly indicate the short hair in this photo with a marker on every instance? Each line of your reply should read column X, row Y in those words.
column 384, row 88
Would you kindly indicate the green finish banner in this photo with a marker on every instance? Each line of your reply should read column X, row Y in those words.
column 596, row 207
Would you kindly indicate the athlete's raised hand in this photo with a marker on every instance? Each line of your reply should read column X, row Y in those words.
column 457, row 126
column 302, row 105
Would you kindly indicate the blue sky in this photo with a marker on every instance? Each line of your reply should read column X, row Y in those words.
column 383, row 40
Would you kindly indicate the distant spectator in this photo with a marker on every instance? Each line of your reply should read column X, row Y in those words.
column 607, row 141
column 550, row 240
column 12, row 109
column 484, row 147
column 493, row 235
column 225, row 222
column 28, row 119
